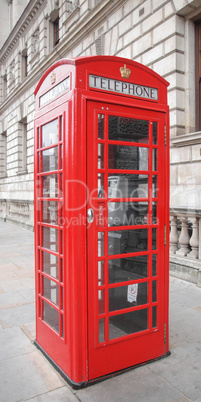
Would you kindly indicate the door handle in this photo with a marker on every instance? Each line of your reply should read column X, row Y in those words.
column 90, row 215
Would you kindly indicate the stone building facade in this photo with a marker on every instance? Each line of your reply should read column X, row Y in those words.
column 165, row 35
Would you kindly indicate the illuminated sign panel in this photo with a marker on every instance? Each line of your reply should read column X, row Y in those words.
column 122, row 87
column 58, row 90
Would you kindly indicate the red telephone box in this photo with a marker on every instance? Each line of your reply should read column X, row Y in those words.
column 101, row 216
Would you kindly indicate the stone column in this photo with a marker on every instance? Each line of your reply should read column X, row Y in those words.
column 194, row 240
column 173, row 234
column 183, row 238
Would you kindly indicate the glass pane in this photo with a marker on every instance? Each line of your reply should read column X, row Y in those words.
column 101, row 301
column 61, row 219
column 38, row 138
column 39, row 284
column 128, row 296
column 61, row 125
column 51, row 264
column 50, row 186
column 129, row 323
column 101, row 192
column 62, row 326
column 155, row 139
column 154, row 239
column 154, row 317
column 101, row 214
column 127, row 213
column 38, row 161
column 51, row 291
column 101, row 126
column 154, row 291
column 61, row 186
column 61, row 157
column 50, row 238
column 50, row 133
column 62, row 298
column 127, row 157
column 50, row 159
column 101, row 330
column 127, row 185
column 50, row 212
column 127, row 241
column 154, row 187
column 154, row 159
column 101, row 273
column 127, row 129
column 61, row 268
column 61, row 241
column 154, row 213
column 126, row 269
column 51, row 316
column 100, row 156
column 154, row 264
column 100, row 244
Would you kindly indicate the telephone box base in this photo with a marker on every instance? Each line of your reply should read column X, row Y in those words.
column 85, row 384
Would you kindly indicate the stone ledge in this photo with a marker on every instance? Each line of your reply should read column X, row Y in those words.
column 186, row 268
column 186, row 140
column 28, row 226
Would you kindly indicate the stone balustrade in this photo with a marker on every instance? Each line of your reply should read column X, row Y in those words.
column 185, row 246
column 184, row 233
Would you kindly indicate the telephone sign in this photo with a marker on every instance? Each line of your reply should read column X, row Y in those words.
column 122, row 87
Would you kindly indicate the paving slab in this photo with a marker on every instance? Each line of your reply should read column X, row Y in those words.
column 18, row 315
column 59, row 395
column 184, row 376
column 14, row 342
column 26, row 376
column 17, row 284
column 136, row 385
column 29, row 330
column 10, row 299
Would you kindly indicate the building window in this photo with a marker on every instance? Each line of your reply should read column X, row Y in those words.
column 24, row 63
column 22, row 146
column 5, row 86
column 12, row 75
column 56, row 31
column 198, row 74
column 35, row 42
column 3, row 154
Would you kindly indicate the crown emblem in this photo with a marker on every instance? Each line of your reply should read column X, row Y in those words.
column 53, row 77
column 125, row 72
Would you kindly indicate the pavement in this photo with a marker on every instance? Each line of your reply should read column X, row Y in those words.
column 26, row 375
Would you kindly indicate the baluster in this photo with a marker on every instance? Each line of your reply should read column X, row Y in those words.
column 183, row 238
column 194, row 240
column 173, row 235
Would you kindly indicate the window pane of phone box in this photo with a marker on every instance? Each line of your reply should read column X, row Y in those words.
column 128, row 296
column 127, row 186
column 127, row 241
column 51, row 264
column 127, row 269
column 50, row 133
column 127, row 213
column 129, row 323
column 128, row 129
column 51, row 316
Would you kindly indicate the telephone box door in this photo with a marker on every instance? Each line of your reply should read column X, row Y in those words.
column 126, row 212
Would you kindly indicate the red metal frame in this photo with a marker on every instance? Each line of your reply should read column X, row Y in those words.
column 76, row 350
